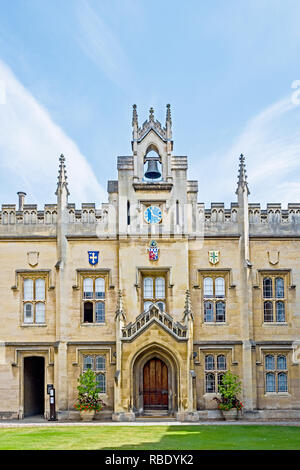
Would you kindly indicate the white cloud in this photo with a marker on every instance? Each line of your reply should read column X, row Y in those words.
column 271, row 144
column 30, row 145
column 101, row 45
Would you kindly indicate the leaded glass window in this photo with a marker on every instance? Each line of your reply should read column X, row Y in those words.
column 34, row 300
column 277, row 380
column 213, row 291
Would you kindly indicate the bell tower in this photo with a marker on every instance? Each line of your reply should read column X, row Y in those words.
column 152, row 191
column 152, row 145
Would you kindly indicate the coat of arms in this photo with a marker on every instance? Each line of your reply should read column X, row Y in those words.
column 153, row 251
column 93, row 257
column 213, row 257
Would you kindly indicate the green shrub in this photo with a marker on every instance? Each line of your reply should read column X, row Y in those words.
column 88, row 396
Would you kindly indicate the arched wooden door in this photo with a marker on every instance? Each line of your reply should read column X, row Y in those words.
column 155, row 385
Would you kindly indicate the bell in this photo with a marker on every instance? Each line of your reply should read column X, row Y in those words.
column 152, row 172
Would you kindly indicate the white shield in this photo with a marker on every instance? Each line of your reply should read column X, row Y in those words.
column 33, row 258
column 273, row 256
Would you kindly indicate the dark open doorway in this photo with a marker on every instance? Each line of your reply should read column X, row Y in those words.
column 34, row 386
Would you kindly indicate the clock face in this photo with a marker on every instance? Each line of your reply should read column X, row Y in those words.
column 152, row 215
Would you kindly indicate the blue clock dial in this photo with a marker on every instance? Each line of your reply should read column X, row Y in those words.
column 152, row 215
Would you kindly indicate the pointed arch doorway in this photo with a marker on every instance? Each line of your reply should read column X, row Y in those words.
column 154, row 380
column 155, row 385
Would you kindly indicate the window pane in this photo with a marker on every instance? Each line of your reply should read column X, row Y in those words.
column 88, row 288
column 221, row 362
column 267, row 288
column 100, row 288
column 280, row 312
column 100, row 363
column 40, row 312
column 209, row 362
column 220, row 379
column 28, row 289
column 270, row 382
column 148, row 288
column 161, row 306
column 268, row 312
column 88, row 312
column 100, row 312
column 159, row 288
column 147, row 305
column 279, row 288
column 101, row 383
column 208, row 287
column 220, row 287
column 281, row 363
column 220, row 311
column 282, row 382
column 28, row 313
column 208, row 312
column 270, row 362
column 40, row 289
column 87, row 362
column 210, row 383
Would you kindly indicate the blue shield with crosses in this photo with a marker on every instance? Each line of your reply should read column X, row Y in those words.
column 93, row 257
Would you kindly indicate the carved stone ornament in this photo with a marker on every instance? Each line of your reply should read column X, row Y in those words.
column 33, row 258
column 273, row 256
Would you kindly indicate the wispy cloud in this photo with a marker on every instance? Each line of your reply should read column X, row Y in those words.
column 100, row 44
column 271, row 143
column 30, row 144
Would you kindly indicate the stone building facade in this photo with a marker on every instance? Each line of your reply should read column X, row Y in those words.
column 156, row 293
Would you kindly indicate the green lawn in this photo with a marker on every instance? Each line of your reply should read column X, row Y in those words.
column 151, row 437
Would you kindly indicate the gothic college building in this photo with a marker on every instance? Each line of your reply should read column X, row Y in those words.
column 155, row 293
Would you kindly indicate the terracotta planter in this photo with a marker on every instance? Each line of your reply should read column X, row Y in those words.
column 87, row 415
column 230, row 415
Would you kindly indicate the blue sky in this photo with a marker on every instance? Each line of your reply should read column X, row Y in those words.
column 70, row 72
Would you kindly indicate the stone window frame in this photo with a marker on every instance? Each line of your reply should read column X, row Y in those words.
column 33, row 275
column 154, row 299
column 94, row 355
column 214, row 274
column 93, row 275
column 276, row 372
column 273, row 275
column 142, row 272
column 216, row 372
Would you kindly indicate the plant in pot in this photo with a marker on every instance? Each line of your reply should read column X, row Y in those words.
column 88, row 401
column 228, row 403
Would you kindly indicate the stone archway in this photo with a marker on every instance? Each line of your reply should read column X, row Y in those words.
column 165, row 372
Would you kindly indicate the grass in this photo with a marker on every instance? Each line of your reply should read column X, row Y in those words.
column 151, row 438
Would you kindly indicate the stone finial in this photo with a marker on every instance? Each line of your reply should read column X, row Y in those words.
column 168, row 115
column 120, row 308
column 62, row 176
column 187, row 313
column 134, row 116
column 242, row 177
column 151, row 114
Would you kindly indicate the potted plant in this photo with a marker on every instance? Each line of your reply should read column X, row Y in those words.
column 228, row 403
column 88, row 401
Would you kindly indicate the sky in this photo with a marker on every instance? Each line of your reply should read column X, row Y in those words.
column 70, row 72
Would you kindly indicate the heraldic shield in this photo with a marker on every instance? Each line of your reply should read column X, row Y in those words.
column 93, row 257
column 33, row 258
column 213, row 257
column 153, row 251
